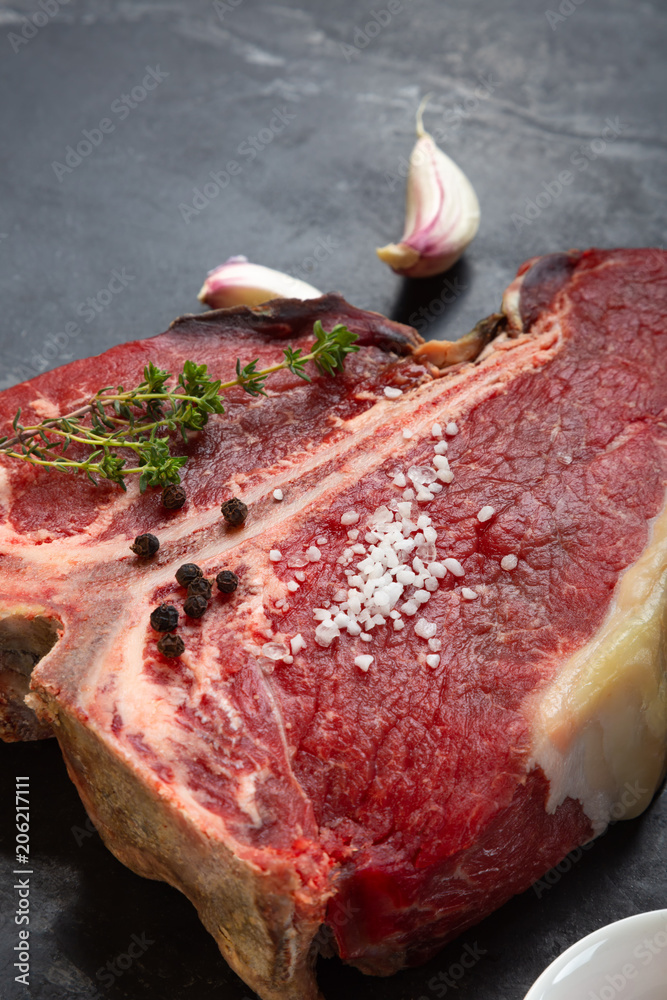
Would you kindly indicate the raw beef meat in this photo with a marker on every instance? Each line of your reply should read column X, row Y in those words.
column 443, row 667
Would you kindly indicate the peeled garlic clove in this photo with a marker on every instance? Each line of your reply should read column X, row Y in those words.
column 237, row 282
column 442, row 213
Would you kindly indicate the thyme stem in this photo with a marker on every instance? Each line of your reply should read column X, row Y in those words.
column 130, row 419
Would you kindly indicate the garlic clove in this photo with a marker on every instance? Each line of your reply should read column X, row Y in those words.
column 442, row 212
column 237, row 282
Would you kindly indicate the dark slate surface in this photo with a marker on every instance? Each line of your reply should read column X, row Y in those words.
column 519, row 95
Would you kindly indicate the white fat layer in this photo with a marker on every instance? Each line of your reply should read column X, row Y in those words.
column 600, row 729
column 246, row 796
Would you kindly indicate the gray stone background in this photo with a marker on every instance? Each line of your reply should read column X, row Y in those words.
column 521, row 92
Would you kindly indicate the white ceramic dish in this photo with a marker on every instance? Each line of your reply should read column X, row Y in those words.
column 626, row 960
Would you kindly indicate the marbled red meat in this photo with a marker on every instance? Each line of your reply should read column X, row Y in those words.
column 395, row 803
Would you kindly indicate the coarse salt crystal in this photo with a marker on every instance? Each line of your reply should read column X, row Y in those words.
column 365, row 637
column 436, row 431
column 277, row 494
column 275, row 650
column 410, row 608
column 325, row 633
column 407, row 433
column 509, row 562
column 424, row 629
column 399, row 480
column 275, row 555
column 322, row 540
column 452, row 428
column 469, row 594
column 300, row 575
column 297, row 643
column 364, row 661
column 440, row 448
column 431, row 584
column 437, row 569
column 486, row 513
column 445, row 475
column 424, row 495
column 435, row 645
column 437, row 487
column 391, row 392
column 432, row 660
column 421, row 596
column 454, row 567
column 409, row 494
column 313, row 554
column 398, row 624
column 349, row 517
column 292, row 586
column 353, row 534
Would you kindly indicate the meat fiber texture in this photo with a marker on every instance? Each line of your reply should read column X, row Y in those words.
column 327, row 763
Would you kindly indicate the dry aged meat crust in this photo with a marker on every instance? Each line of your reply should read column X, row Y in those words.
column 282, row 787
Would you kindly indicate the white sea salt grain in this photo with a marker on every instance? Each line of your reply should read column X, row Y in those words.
column 300, row 575
column 485, row 514
column 454, row 567
column 509, row 562
column 424, row 629
column 277, row 494
column 322, row 540
column 297, row 643
column 325, row 633
column 313, row 554
column 452, row 428
column 353, row 535
column 433, row 660
column 365, row 637
column 440, row 448
column 469, row 594
column 292, row 586
column 275, row 555
column 436, row 431
column 364, row 661
column 399, row 480
column 407, row 433
column 435, row 645
column 391, row 392
column 398, row 624
column 349, row 517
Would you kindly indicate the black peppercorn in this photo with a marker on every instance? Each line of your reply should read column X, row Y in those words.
column 234, row 511
column 227, row 581
column 164, row 618
column 145, row 545
column 171, row 645
column 173, row 496
column 200, row 588
column 195, row 606
column 186, row 573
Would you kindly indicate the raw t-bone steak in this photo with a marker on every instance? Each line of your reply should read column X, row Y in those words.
column 443, row 667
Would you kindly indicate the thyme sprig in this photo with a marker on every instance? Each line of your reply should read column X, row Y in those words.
column 121, row 425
